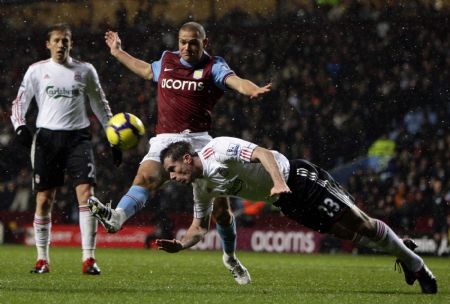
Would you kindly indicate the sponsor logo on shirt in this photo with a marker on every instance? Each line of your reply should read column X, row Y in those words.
column 182, row 84
column 233, row 150
column 61, row 92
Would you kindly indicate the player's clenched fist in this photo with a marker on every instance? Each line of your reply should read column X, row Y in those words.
column 171, row 246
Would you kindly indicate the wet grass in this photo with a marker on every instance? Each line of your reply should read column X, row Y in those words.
column 148, row 276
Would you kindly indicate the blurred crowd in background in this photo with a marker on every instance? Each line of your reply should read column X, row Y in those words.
column 343, row 79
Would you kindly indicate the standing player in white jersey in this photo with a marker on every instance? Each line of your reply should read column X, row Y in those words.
column 304, row 192
column 190, row 82
column 61, row 86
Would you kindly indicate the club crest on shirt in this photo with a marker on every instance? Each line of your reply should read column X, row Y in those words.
column 198, row 74
column 233, row 150
column 77, row 76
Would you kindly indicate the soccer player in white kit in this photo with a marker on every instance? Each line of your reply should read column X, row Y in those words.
column 190, row 82
column 304, row 192
column 61, row 86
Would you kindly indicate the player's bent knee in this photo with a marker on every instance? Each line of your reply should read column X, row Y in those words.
column 149, row 175
column 148, row 181
column 368, row 227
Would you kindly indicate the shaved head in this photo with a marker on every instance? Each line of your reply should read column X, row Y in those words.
column 194, row 27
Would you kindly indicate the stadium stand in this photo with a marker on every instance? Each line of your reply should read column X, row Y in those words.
column 343, row 77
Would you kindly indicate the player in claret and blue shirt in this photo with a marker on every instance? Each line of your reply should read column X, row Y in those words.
column 190, row 82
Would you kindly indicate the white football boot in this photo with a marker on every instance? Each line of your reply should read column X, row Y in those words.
column 109, row 218
column 239, row 272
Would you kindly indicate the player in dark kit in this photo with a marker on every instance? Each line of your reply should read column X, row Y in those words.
column 304, row 192
column 190, row 82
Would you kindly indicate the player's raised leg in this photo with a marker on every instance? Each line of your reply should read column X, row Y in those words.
column 226, row 227
column 148, row 178
column 42, row 225
column 373, row 233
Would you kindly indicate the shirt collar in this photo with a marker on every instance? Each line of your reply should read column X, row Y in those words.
column 68, row 61
column 187, row 64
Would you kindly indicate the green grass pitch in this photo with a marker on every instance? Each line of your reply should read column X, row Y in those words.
column 149, row 276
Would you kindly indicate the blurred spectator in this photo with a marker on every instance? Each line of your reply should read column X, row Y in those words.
column 340, row 83
column 380, row 153
column 22, row 197
column 440, row 212
column 7, row 194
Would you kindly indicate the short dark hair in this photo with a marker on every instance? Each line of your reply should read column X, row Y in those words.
column 195, row 27
column 60, row 27
column 175, row 151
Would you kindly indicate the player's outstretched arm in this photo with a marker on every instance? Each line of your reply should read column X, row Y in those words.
column 194, row 234
column 137, row 66
column 246, row 87
column 269, row 163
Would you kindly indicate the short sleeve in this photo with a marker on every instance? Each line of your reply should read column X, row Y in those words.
column 156, row 67
column 230, row 148
column 220, row 71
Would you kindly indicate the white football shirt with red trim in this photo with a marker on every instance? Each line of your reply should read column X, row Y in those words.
column 61, row 92
column 227, row 171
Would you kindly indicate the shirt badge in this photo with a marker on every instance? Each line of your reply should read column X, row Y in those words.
column 198, row 74
column 233, row 150
column 77, row 77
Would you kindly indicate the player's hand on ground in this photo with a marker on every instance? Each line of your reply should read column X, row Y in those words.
column 24, row 136
column 261, row 90
column 280, row 189
column 113, row 41
column 116, row 156
column 170, row 246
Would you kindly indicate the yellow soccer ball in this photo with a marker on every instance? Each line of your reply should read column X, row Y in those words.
column 124, row 131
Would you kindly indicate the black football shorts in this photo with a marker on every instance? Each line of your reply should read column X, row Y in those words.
column 55, row 153
column 317, row 201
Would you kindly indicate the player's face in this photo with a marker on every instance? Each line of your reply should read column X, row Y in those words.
column 181, row 171
column 60, row 44
column 191, row 46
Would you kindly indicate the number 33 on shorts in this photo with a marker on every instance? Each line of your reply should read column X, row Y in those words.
column 329, row 206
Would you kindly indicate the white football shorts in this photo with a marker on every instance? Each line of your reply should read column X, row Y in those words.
column 158, row 143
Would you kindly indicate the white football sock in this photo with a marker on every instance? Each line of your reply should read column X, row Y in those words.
column 122, row 216
column 388, row 241
column 442, row 247
column 42, row 229
column 88, row 228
